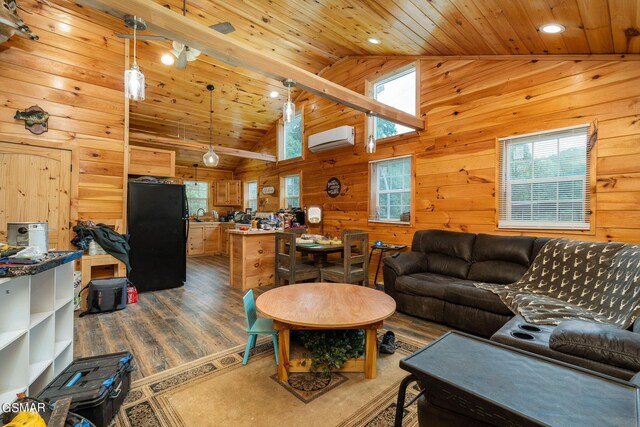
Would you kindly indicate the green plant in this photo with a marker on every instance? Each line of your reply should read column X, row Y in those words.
column 330, row 349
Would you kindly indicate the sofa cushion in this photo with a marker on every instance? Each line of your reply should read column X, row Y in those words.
column 596, row 341
column 447, row 253
column 425, row 284
column 463, row 292
column 501, row 272
column 514, row 249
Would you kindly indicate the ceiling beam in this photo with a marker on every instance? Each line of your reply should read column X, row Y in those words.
column 163, row 141
column 547, row 57
column 174, row 26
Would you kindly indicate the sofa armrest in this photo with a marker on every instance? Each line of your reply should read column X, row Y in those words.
column 599, row 342
column 636, row 326
column 407, row 263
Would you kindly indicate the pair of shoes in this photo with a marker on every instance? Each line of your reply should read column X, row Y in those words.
column 388, row 344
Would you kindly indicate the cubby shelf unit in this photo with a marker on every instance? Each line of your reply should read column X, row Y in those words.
column 36, row 330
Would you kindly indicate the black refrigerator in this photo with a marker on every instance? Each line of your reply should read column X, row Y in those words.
column 157, row 223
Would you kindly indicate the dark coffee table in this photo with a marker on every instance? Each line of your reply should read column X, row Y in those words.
column 501, row 385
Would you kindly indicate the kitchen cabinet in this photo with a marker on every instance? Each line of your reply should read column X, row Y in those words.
column 205, row 239
column 152, row 162
column 224, row 237
column 229, row 192
column 195, row 240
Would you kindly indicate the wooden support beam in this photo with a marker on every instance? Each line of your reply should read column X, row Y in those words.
column 161, row 141
column 174, row 26
column 548, row 57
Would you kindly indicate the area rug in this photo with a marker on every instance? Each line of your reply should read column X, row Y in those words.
column 218, row 390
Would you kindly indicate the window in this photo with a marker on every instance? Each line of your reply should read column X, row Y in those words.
column 197, row 195
column 391, row 190
column 252, row 195
column 544, row 180
column 399, row 91
column 291, row 191
column 290, row 138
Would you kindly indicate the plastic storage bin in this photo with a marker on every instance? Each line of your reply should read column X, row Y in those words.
column 97, row 385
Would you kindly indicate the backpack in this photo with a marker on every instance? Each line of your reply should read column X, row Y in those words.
column 106, row 295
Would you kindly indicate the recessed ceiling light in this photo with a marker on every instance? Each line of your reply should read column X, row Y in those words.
column 373, row 40
column 552, row 28
column 274, row 94
column 167, row 59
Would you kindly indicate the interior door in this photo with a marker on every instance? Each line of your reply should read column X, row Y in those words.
column 35, row 186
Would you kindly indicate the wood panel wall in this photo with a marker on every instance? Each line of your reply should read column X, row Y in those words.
column 74, row 72
column 469, row 104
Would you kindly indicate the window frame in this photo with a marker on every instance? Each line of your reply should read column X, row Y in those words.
column 372, row 204
column 280, row 139
column 247, row 192
column 369, row 91
column 559, row 227
column 283, row 189
column 207, row 185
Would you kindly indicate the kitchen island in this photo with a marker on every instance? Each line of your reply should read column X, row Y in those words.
column 252, row 256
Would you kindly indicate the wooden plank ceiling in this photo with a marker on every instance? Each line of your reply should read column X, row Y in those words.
column 315, row 34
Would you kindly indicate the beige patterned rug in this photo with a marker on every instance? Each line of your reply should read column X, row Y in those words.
column 218, row 391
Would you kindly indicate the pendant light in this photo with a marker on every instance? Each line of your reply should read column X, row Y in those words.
column 195, row 168
column 370, row 145
column 289, row 108
column 133, row 78
column 210, row 158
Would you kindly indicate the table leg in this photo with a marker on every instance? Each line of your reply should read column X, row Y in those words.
column 283, row 354
column 320, row 259
column 370, row 353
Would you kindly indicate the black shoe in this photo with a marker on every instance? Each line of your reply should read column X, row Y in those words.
column 388, row 344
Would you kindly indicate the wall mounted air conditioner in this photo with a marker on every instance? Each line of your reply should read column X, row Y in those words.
column 339, row 137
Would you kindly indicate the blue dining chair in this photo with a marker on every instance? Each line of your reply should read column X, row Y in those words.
column 257, row 326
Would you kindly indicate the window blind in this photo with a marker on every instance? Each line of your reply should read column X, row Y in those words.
column 544, row 180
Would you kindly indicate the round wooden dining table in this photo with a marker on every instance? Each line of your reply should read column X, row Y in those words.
column 326, row 306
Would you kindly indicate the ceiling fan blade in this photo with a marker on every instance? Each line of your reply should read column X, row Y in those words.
column 140, row 37
column 181, row 63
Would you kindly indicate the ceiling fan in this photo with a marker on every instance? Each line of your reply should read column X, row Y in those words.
column 183, row 53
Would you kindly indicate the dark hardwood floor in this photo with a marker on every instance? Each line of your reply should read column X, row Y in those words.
column 172, row 327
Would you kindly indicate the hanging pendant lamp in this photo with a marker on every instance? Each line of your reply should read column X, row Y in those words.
column 133, row 78
column 289, row 108
column 370, row 145
column 210, row 158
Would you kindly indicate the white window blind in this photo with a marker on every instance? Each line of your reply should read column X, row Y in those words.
column 197, row 195
column 390, row 190
column 252, row 195
column 292, row 191
column 544, row 180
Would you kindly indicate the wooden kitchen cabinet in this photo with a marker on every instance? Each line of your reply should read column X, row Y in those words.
column 205, row 239
column 195, row 240
column 229, row 192
column 224, row 237
column 152, row 162
column 211, row 237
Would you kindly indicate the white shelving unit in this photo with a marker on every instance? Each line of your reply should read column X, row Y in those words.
column 36, row 330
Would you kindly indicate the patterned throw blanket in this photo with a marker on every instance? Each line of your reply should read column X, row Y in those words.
column 571, row 279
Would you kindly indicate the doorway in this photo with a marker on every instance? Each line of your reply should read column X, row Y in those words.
column 35, row 186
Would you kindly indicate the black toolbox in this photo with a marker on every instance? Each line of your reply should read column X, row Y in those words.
column 97, row 385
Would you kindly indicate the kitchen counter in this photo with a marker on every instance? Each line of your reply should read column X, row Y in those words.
column 253, row 231
column 252, row 258
column 208, row 238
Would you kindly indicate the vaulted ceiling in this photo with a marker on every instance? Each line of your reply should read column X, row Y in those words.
column 313, row 34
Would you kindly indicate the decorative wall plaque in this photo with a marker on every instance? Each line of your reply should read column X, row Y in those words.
column 268, row 190
column 333, row 187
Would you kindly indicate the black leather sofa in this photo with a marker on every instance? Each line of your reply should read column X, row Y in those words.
column 435, row 279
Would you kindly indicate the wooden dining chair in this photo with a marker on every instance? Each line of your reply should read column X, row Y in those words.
column 355, row 265
column 288, row 266
column 257, row 326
